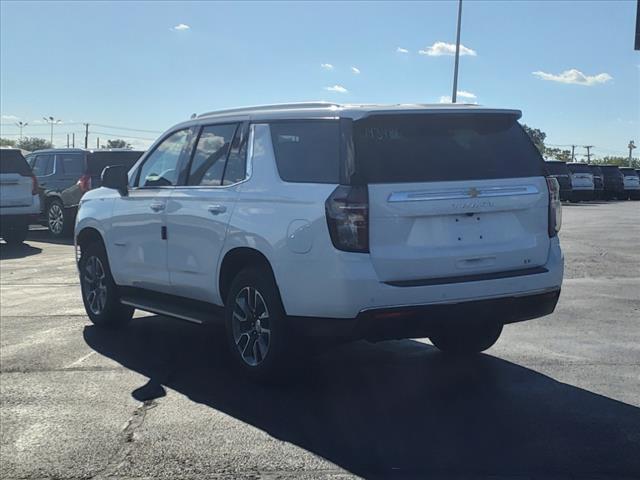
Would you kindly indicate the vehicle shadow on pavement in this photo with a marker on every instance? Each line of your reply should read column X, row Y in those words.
column 43, row 235
column 8, row 252
column 395, row 408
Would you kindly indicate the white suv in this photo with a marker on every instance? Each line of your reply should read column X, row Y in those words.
column 19, row 196
column 317, row 219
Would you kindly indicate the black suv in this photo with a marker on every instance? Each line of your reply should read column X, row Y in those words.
column 631, row 183
column 560, row 172
column 613, row 182
column 65, row 174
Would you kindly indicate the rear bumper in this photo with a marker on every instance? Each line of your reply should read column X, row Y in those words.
column 423, row 320
column 582, row 194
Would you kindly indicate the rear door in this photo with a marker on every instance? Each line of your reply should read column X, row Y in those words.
column 16, row 186
column 581, row 176
column 198, row 212
column 69, row 168
column 452, row 195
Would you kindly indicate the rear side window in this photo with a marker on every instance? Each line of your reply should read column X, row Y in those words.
column 307, row 151
column 579, row 168
column 97, row 161
column 432, row 148
column 12, row 161
column 71, row 163
column 43, row 165
column 629, row 172
column 210, row 156
column 557, row 168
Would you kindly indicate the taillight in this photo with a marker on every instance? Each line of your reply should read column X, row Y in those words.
column 34, row 185
column 555, row 207
column 347, row 210
column 84, row 183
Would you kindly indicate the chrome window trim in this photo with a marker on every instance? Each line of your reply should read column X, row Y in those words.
column 463, row 194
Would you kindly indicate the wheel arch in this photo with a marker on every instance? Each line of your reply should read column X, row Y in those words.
column 89, row 235
column 234, row 261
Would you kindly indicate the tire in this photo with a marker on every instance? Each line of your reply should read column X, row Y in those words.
column 467, row 339
column 258, row 337
column 99, row 291
column 59, row 220
column 16, row 234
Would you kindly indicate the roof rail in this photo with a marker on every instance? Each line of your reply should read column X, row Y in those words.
column 275, row 106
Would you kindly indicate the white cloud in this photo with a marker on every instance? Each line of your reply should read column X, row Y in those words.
column 10, row 117
column 355, row 70
column 465, row 94
column 326, row 66
column 574, row 77
column 445, row 99
column 402, row 50
column 461, row 94
column 181, row 27
column 337, row 89
column 442, row 48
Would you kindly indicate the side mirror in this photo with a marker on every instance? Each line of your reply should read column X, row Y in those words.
column 116, row 177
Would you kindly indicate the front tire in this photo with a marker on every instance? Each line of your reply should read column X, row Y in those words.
column 467, row 339
column 58, row 219
column 99, row 291
column 16, row 234
column 256, row 326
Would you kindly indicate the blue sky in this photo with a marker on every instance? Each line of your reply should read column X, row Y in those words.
column 124, row 64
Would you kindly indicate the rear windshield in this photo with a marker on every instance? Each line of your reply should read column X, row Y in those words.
column 557, row 168
column 595, row 170
column 579, row 167
column 610, row 170
column 431, row 148
column 12, row 161
column 97, row 161
column 629, row 172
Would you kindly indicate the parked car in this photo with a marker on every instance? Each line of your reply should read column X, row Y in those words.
column 582, row 184
column 19, row 200
column 631, row 183
column 598, row 182
column 560, row 172
column 65, row 174
column 613, row 182
column 318, row 219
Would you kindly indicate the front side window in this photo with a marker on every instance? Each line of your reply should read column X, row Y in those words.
column 160, row 169
column 307, row 151
column 71, row 163
column 42, row 165
column 210, row 156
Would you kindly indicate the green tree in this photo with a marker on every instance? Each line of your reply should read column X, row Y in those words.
column 117, row 143
column 617, row 160
column 33, row 143
column 558, row 154
column 7, row 142
column 537, row 136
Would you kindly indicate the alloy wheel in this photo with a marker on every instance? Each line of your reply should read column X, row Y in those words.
column 251, row 326
column 95, row 288
column 55, row 219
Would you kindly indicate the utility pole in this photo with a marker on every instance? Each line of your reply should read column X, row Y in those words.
column 21, row 125
column 631, row 146
column 67, row 140
column 588, row 147
column 454, row 94
column 86, row 135
column 73, row 140
column 97, row 142
column 52, row 121
column 573, row 150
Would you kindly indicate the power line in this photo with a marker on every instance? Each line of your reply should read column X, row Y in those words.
column 126, row 128
column 123, row 136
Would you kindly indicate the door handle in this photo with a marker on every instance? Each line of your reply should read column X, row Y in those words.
column 157, row 206
column 217, row 209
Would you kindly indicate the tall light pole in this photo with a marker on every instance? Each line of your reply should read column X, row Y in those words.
column 455, row 68
column 631, row 146
column 52, row 121
column 21, row 125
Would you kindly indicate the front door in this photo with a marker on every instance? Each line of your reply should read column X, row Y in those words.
column 137, row 243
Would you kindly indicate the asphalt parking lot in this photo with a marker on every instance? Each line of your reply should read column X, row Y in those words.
column 557, row 397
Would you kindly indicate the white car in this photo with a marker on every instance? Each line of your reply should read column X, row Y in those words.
column 318, row 219
column 19, row 196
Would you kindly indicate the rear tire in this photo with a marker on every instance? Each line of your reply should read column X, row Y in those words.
column 467, row 339
column 59, row 220
column 256, row 326
column 99, row 291
column 16, row 234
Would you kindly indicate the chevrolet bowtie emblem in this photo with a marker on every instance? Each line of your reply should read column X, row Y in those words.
column 474, row 192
